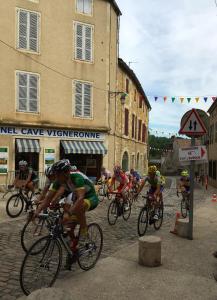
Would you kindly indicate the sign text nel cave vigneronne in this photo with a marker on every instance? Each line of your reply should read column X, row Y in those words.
column 52, row 133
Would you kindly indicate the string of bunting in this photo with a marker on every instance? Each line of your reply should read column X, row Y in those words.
column 163, row 150
column 157, row 132
column 184, row 99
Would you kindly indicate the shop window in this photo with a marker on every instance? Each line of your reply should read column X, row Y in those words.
column 83, row 42
column 84, row 6
column 28, row 30
column 126, row 119
column 27, row 92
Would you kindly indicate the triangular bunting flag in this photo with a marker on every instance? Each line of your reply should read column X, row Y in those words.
column 182, row 99
column 189, row 100
column 165, row 99
column 155, row 98
column 214, row 98
column 197, row 99
column 205, row 99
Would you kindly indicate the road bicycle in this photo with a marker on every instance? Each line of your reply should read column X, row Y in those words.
column 118, row 207
column 42, row 263
column 15, row 204
column 185, row 203
column 147, row 213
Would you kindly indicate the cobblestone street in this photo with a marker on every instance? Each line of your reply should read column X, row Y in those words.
column 115, row 237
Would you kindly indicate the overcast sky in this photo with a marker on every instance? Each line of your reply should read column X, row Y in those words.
column 174, row 43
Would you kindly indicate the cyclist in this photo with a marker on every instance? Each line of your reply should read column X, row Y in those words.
column 25, row 177
column 50, row 178
column 156, row 186
column 184, row 182
column 124, row 182
column 86, row 198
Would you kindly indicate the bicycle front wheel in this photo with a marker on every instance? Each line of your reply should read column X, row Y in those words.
column 14, row 206
column 41, row 265
column 126, row 210
column 112, row 212
column 89, row 255
column 142, row 223
column 160, row 213
column 184, row 208
column 32, row 232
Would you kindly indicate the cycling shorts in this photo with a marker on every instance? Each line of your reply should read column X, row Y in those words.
column 91, row 202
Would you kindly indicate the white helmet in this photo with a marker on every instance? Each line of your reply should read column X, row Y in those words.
column 74, row 168
column 23, row 163
column 49, row 171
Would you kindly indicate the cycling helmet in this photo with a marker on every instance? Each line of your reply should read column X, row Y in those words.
column 152, row 169
column 62, row 166
column 49, row 171
column 74, row 168
column 184, row 173
column 23, row 163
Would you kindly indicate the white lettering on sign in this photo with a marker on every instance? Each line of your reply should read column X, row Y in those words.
column 194, row 153
column 53, row 133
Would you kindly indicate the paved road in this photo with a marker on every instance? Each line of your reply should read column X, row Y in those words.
column 122, row 234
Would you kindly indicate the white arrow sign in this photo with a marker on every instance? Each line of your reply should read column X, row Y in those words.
column 193, row 153
column 193, row 125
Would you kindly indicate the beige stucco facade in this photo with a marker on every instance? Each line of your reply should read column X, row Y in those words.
column 57, row 69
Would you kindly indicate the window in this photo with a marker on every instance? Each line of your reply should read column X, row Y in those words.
column 126, row 127
column 83, row 42
column 127, row 85
column 140, row 129
column 83, row 100
column 135, row 95
column 27, row 92
column 133, row 126
column 135, row 135
column 143, row 133
column 84, row 6
column 28, row 30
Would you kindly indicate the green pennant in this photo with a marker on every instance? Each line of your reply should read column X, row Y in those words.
column 189, row 100
column 173, row 99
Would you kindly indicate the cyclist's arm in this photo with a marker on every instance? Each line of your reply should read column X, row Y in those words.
column 46, row 202
column 28, row 180
column 157, row 192
column 43, row 194
column 142, row 184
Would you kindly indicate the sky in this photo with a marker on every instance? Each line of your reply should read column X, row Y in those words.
column 174, row 46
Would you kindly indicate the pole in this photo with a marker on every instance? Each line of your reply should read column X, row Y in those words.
column 191, row 211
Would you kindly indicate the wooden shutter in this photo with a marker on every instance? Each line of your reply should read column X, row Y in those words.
column 140, row 101
column 126, row 127
column 33, row 93
column 22, row 34
column 88, row 43
column 87, row 100
column 140, row 128
column 22, row 91
column 33, row 31
column 133, row 126
column 143, row 133
column 78, row 99
column 79, row 41
column 135, row 135
column 127, row 85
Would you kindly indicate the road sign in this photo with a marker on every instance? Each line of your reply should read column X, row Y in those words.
column 193, row 125
column 193, row 153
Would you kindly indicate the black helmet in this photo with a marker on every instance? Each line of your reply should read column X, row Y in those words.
column 62, row 166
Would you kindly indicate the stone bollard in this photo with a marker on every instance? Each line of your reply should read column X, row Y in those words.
column 182, row 228
column 150, row 251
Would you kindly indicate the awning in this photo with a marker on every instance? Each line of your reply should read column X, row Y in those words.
column 31, row 146
column 80, row 147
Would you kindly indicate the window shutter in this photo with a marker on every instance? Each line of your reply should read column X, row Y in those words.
column 22, row 91
column 22, row 36
column 78, row 99
column 33, row 31
column 33, row 93
column 88, row 43
column 135, row 135
column 144, row 133
column 133, row 125
column 79, row 42
column 127, row 85
column 126, row 127
column 139, row 132
column 87, row 100
column 140, row 101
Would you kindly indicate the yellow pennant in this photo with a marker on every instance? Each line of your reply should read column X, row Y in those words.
column 197, row 99
column 182, row 99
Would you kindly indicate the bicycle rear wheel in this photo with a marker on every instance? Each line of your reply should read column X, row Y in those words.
column 89, row 255
column 184, row 208
column 142, row 223
column 14, row 206
column 41, row 265
column 112, row 212
column 32, row 232
column 160, row 213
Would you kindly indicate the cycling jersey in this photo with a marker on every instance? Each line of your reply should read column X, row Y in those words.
column 185, row 182
column 77, row 181
column 121, row 178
